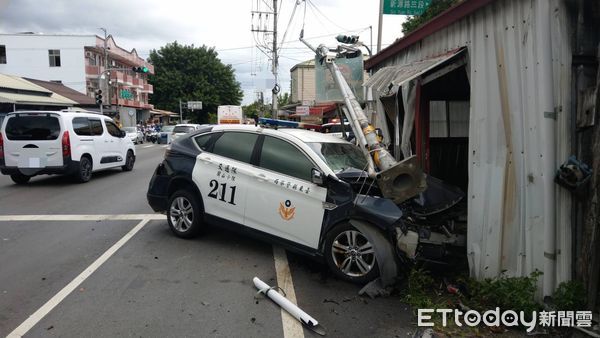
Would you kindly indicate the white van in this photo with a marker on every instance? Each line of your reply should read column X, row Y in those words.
column 61, row 142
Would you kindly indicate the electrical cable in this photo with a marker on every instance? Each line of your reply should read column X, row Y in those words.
column 318, row 10
column 288, row 25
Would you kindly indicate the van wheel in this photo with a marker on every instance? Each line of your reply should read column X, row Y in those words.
column 129, row 161
column 19, row 178
column 84, row 172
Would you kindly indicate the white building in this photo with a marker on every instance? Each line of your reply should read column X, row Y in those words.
column 77, row 61
column 46, row 57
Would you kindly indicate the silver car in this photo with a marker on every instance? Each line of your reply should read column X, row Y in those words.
column 182, row 129
column 134, row 135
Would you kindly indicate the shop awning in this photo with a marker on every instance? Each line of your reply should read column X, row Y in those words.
column 54, row 100
column 396, row 76
column 163, row 112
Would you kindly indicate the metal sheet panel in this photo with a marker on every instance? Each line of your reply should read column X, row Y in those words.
column 54, row 100
column 519, row 68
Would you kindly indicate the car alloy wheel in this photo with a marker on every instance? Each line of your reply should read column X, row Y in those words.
column 350, row 255
column 184, row 214
column 84, row 173
column 129, row 161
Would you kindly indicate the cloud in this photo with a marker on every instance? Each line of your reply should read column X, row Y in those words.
column 225, row 25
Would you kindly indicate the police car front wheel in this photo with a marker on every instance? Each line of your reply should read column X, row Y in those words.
column 184, row 214
column 350, row 255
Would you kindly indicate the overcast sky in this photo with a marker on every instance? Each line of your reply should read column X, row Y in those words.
column 225, row 25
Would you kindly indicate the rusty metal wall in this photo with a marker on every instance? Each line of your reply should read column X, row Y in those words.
column 519, row 67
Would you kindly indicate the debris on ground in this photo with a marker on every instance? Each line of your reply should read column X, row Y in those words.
column 375, row 289
column 330, row 301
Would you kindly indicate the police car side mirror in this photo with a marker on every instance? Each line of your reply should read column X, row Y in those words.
column 122, row 133
column 317, row 177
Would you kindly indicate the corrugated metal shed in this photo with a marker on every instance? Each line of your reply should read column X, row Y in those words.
column 519, row 68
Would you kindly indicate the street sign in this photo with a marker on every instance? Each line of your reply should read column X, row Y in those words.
column 126, row 94
column 194, row 105
column 302, row 110
column 353, row 71
column 405, row 7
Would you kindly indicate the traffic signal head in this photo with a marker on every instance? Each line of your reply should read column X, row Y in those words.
column 142, row 69
column 349, row 39
column 99, row 96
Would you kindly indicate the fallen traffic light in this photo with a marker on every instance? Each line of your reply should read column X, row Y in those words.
column 349, row 39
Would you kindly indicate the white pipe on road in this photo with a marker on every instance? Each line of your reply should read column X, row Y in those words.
column 288, row 306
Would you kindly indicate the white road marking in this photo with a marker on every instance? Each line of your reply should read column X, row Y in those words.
column 148, row 146
column 62, row 294
column 166, row 145
column 291, row 326
column 123, row 217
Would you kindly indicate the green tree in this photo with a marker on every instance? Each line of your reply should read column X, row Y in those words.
column 189, row 73
column 283, row 99
column 255, row 109
column 436, row 7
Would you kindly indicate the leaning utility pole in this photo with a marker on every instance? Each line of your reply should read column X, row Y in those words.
column 261, row 24
column 105, row 71
column 275, row 61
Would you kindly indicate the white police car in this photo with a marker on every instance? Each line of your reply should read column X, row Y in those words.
column 287, row 186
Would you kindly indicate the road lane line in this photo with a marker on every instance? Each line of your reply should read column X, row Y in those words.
column 148, row 146
column 291, row 326
column 62, row 294
column 123, row 217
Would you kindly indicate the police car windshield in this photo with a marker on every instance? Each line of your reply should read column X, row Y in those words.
column 340, row 156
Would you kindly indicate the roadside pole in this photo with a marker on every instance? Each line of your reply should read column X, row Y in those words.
column 180, row 112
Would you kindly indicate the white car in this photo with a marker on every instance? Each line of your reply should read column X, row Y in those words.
column 134, row 134
column 182, row 129
column 62, row 142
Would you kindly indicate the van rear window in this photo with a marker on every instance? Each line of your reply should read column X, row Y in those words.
column 32, row 128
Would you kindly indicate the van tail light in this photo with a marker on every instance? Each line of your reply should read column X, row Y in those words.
column 66, row 145
column 1, row 147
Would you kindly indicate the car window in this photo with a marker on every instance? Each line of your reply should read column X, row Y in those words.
column 32, row 128
column 202, row 140
column 81, row 126
column 112, row 128
column 96, row 127
column 237, row 146
column 283, row 157
column 340, row 156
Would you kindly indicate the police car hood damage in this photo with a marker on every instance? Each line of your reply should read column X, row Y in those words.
column 427, row 226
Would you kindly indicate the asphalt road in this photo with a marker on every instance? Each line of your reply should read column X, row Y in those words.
column 84, row 275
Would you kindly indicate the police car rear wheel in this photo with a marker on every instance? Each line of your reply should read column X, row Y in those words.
column 184, row 215
column 350, row 255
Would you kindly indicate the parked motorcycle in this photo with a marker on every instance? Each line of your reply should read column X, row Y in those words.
column 151, row 136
